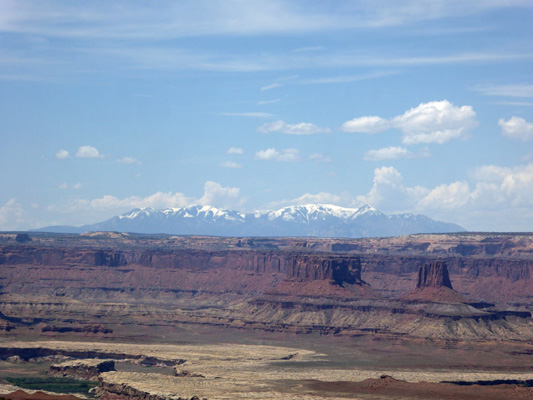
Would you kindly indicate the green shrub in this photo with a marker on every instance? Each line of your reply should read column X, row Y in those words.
column 51, row 384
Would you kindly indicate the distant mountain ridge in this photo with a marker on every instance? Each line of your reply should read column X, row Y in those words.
column 320, row 220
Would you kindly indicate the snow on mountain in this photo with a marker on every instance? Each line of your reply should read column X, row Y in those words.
column 323, row 220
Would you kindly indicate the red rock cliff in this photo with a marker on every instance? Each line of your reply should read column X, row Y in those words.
column 434, row 274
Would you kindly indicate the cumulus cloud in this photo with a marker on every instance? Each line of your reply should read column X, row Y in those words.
column 62, row 154
column 388, row 153
column 432, row 122
column 517, row 128
column 436, row 122
column 88, row 152
column 495, row 197
column 230, row 164
column 449, row 197
column 128, row 160
column 13, row 216
column 389, row 193
column 492, row 198
column 372, row 124
column 271, row 154
column 235, row 150
column 83, row 211
column 302, row 128
column 223, row 197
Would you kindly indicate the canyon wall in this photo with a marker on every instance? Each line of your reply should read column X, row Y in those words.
column 485, row 267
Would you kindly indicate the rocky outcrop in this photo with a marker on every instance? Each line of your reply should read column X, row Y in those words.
column 184, row 373
column 88, row 369
column 434, row 275
column 123, row 391
column 434, row 285
column 339, row 269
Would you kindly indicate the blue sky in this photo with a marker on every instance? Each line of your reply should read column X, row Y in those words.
column 409, row 106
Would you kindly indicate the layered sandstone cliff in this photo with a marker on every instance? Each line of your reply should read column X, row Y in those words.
column 434, row 285
column 87, row 369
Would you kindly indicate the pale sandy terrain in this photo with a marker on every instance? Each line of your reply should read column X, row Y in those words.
column 248, row 371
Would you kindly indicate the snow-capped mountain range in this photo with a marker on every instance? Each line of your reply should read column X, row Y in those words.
column 321, row 220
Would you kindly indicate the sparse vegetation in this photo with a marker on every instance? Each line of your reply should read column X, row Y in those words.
column 51, row 384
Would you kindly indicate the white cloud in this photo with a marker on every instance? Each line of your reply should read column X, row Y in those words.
column 507, row 90
column 389, row 194
column 263, row 102
column 496, row 197
column 388, row 153
column 88, row 152
column 248, row 114
column 235, row 150
column 271, row 154
column 347, row 78
column 517, row 128
column 82, row 211
column 13, row 216
column 217, row 195
column 448, row 197
column 320, row 158
column 302, row 128
column 436, row 122
column 432, row 122
column 343, row 199
column 201, row 18
column 270, row 87
column 62, row 154
column 128, row 160
column 370, row 124
column 65, row 186
column 230, row 164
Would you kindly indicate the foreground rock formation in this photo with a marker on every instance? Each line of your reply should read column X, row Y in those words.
column 88, row 369
column 222, row 371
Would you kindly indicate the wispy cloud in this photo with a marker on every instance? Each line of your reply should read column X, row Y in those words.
column 230, row 164
column 348, row 78
column 393, row 153
column 507, row 90
column 128, row 160
column 248, row 114
column 232, row 17
column 235, row 150
column 319, row 158
column 263, row 102
column 270, row 87
column 308, row 49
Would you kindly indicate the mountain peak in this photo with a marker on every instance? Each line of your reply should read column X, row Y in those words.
column 320, row 220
